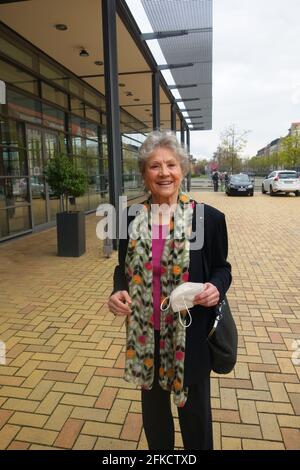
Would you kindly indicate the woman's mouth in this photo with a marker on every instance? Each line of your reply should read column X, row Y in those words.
column 164, row 183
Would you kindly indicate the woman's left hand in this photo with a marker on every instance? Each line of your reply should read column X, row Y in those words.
column 209, row 297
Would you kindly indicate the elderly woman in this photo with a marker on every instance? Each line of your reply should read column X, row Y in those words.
column 167, row 352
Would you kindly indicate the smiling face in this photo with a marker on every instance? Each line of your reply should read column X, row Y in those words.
column 163, row 176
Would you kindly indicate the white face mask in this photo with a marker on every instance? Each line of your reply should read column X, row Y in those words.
column 181, row 298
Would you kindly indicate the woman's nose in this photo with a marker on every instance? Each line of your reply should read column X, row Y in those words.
column 164, row 170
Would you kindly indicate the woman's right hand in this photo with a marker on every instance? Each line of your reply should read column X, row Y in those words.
column 118, row 303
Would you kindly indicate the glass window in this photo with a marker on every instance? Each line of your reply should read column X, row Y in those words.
column 24, row 108
column 14, row 191
column 91, row 113
column 17, row 53
column 53, row 117
column 104, row 151
column 54, row 73
column 92, row 149
column 51, row 143
column 79, row 146
column 56, row 96
column 91, row 130
column 77, row 126
column 77, row 106
column 14, row 220
column 76, row 87
column 80, row 163
column 287, row 175
column 11, row 133
column 63, row 143
column 93, row 167
column 12, row 162
column 15, row 76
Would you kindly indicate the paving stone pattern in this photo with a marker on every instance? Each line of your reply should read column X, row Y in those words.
column 62, row 386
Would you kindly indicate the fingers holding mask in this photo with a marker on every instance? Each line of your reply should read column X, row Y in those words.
column 209, row 297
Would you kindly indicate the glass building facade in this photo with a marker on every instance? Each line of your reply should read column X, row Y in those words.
column 50, row 112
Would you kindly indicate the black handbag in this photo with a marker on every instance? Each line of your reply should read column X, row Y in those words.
column 223, row 337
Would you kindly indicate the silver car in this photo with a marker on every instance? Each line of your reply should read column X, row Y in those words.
column 282, row 181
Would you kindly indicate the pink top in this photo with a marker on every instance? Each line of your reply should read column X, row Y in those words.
column 158, row 241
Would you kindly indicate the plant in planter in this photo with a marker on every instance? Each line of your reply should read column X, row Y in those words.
column 66, row 181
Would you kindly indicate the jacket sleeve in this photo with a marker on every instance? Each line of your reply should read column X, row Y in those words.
column 220, row 267
column 119, row 277
column 120, row 281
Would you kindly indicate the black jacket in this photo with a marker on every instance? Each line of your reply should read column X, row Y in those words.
column 215, row 248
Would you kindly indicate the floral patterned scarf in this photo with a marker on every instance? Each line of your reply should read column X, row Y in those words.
column 139, row 367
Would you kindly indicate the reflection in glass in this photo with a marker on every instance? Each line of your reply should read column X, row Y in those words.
column 94, row 98
column 51, row 145
column 54, row 74
column 11, row 133
column 77, row 106
column 18, row 78
column 13, row 191
column 12, row 162
column 92, row 148
column 19, row 54
column 77, row 126
column 53, row 94
column 14, row 220
column 53, row 117
column 76, row 87
column 24, row 108
column 91, row 131
column 80, row 164
column 37, row 180
column 79, row 146
column 91, row 113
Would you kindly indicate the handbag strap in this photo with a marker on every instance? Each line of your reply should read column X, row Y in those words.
column 218, row 308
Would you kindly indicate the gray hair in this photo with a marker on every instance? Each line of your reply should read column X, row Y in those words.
column 164, row 139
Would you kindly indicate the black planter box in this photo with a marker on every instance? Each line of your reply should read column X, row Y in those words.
column 70, row 233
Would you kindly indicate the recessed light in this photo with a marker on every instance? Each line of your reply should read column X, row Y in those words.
column 61, row 27
column 98, row 62
column 83, row 52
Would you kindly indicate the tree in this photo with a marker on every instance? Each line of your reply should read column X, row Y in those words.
column 199, row 167
column 290, row 150
column 230, row 149
column 65, row 180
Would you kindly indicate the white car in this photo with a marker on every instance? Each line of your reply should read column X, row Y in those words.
column 285, row 181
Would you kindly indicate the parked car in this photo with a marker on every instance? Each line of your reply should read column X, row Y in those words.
column 285, row 181
column 240, row 185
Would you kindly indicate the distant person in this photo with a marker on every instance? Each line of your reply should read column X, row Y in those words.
column 215, row 178
column 222, row 181
column 226, row 179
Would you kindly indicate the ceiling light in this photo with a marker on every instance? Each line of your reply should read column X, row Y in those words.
column 98, row 62
column 83, row 52
column 61, row 27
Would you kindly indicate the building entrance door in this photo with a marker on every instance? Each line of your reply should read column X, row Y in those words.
column 41, row 145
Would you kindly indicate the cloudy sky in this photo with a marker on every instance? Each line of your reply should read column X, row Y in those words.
column 256, row 72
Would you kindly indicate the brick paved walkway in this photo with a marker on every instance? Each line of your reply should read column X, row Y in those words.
column 62, row 383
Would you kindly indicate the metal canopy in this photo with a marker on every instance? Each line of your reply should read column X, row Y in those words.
column 195, row 17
